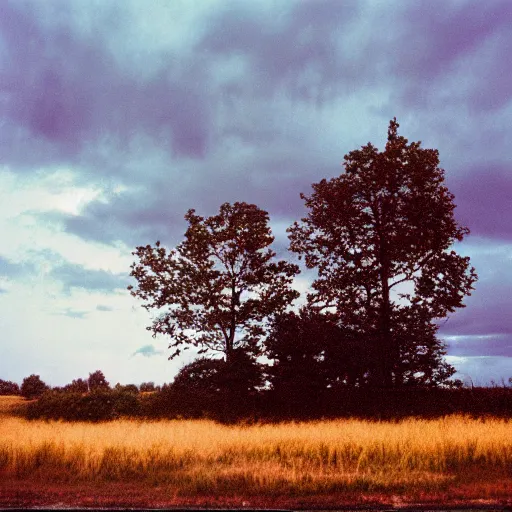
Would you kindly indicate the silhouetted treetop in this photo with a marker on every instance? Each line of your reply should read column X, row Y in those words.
column 387, row 221
column 217, row 289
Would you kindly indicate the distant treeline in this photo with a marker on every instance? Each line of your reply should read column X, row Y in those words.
column 176, row 401
column 33, row 387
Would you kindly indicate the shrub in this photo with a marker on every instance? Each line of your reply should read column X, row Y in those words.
column 33, row 387
column 9, row 388
column 77, row 386
column 129, row 388
column 126, row 402
column 100, row 405
column 147, row 387
column 97, row 381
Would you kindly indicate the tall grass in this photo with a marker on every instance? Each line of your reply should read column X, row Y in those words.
column 200, row 456
column 9, row 404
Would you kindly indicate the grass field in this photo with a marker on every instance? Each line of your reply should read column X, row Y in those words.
column 412, row 459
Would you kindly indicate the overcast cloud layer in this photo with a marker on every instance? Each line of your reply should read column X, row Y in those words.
column 117, row 117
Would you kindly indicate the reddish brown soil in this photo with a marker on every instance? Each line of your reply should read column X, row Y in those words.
column 23, row 493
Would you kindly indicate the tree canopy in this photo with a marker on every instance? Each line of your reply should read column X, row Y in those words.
column 97, row 381
column 33, row 387
column 220, row 286
column 379, row 236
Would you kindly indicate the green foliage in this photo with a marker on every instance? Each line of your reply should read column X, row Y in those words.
column 217, row 289
column 8, row 387
column 32, row 387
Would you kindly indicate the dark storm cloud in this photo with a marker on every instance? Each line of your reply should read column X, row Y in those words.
column 490, row 345
column 484, row 326
column 306, row 51
column 76, row 276
column 67, row 92
column 438, row 38
column 483, row 198
column 295, row 48
column 487, row 311
column 445, row 52
column 48, row 99
column 135, row 220
column 62, row 89
column 237, row 113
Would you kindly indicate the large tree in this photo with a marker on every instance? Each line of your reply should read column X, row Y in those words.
column 380, row 237
column 220, row 286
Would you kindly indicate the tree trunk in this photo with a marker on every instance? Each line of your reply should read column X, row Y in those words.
column 232, row 326
column 386, row 342
column 385, row 350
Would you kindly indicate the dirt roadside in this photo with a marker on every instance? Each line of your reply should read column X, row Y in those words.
column 29, row 494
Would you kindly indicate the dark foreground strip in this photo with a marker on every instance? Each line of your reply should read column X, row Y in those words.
column 418, row 508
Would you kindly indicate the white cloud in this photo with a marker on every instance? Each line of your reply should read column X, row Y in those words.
column 28, row 236
column 42, row 336
column 59, row 336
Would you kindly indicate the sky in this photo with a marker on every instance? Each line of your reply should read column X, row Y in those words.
column 117, row 117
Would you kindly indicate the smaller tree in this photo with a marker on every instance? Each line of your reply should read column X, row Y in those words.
column 240, row 376
column 147, row 387
column 199, row 375
column 33, row 387
column 8, row 387
column 226, row 389
column 77, row 386
column 97, row 381
column 127, row 388
column 217, row 290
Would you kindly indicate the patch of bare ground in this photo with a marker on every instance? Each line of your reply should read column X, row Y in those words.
column 23, row 493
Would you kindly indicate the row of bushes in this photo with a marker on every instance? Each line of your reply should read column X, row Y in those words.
column 391, row 404
column 223, row 405
column 95, row 406
column 33, row 386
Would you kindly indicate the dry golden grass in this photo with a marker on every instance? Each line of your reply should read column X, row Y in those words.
column 8, row 404
column 197, row 457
